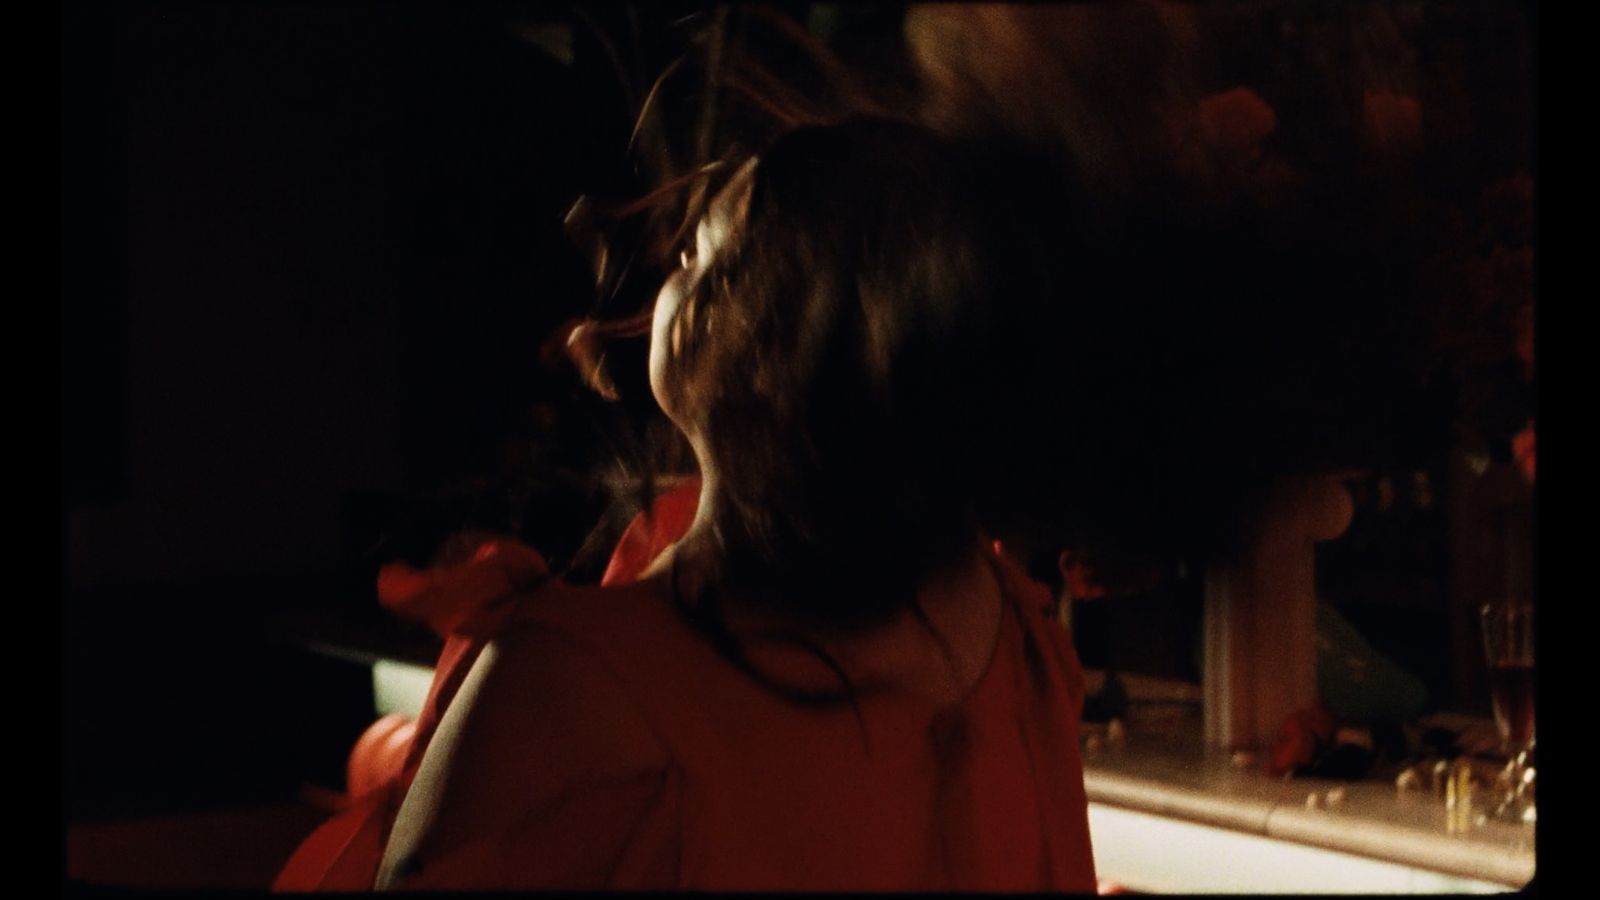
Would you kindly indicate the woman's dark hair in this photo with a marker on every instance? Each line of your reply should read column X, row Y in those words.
column 834, row 357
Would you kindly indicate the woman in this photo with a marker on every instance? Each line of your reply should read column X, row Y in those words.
column 831, row 681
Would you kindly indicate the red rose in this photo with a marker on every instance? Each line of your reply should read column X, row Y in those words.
column 1237, row 120
column 1391, row 120
column 1301, row 736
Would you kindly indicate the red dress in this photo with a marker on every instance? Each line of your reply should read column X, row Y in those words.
column 752, row 791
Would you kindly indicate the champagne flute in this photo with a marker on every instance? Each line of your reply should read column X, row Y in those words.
column 1508, row 649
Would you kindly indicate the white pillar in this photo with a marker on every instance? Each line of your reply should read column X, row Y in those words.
column 1261, row 615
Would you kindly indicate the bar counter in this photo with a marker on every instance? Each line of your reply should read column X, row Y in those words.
column 1253, row 827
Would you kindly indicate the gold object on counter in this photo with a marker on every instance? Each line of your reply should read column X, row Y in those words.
column 1441, row 777
column 1407, row 781
column 1335, row 798
column 1458, row 798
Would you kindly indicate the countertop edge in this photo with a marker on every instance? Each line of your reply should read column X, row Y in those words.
column 1358, row 835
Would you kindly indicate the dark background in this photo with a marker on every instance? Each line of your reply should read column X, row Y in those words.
column 308, row 254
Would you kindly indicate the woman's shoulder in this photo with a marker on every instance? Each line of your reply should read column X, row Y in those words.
column 541, row 721
column 553, row 679
column 552, row 660
column 634, row 633
column 599, row 616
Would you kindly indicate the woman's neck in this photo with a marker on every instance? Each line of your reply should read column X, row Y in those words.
column 688, row 557
column 943, row 654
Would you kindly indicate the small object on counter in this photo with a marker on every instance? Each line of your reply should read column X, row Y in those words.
column 1441, row 775
column 1335, row 798
column 1464, row 794
column 1524, row 787
column 1408, row 781
column 1353, row 736
column 1458, row 797
column 1092, row 744
column 1243, row 759
column 1302, row 736
column 1313, row 801
column 1523, row 793
column 1117, row 734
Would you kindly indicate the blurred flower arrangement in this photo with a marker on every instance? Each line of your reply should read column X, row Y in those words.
column 1412, row 121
